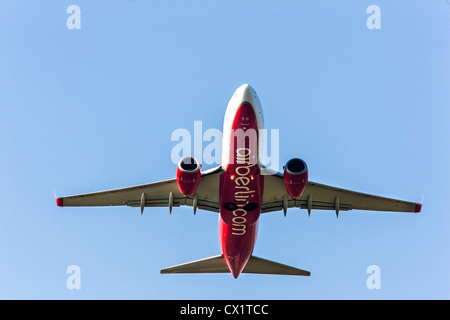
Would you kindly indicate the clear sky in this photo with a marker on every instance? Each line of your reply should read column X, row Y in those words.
column 90, row 109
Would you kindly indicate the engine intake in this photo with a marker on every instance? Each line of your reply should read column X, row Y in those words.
column 188, row 175
column 295, row 177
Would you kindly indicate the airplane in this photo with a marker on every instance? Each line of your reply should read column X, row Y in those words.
column 240, row 189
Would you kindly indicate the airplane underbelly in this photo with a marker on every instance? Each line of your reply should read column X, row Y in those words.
column 237, row 250
column 241, row 191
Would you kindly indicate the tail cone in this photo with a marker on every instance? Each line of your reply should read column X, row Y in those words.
column 236, row 265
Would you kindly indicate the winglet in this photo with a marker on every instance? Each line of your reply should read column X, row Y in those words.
column 59, row 202
column 418, row 207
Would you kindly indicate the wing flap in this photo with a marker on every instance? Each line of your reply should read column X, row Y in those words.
column 303, row 204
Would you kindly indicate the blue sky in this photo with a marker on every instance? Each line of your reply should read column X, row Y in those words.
column 93, row 109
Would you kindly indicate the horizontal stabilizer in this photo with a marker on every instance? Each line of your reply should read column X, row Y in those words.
column 263, row 266
column 217, row 264
column 214, row 264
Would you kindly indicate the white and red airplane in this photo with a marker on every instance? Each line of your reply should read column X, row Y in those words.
column 240, row 189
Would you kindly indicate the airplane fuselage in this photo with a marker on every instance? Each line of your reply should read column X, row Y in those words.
column 241, row 184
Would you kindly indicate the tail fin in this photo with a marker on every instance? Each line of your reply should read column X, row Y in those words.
column 217, row 264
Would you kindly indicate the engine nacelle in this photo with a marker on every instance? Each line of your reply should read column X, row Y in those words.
column 188, row 175
column 295, row 177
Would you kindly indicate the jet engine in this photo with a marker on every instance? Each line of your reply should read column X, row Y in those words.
column 295, row 177
column 188, row 175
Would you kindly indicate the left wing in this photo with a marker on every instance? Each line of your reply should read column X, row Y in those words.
column 158, row 194
column 323, row 197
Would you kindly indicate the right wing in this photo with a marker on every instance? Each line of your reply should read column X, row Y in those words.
column 155, row 195
column 323, row 197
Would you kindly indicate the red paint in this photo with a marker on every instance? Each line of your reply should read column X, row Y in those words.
column 418, row 207
column 59, row 202
column 295, row 177
column 188, row 177
column 241, row 191
column 237, row 250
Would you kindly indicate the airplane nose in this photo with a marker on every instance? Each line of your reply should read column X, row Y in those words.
column 247, row 92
